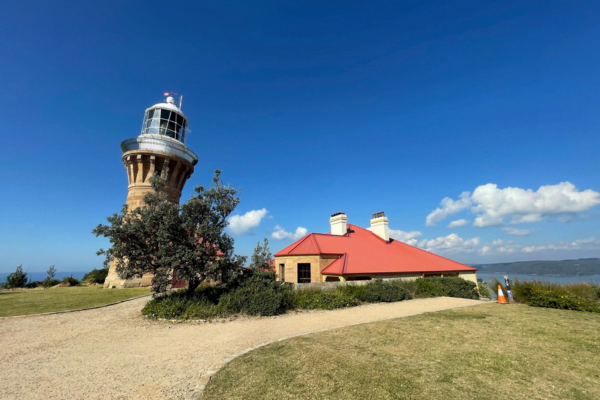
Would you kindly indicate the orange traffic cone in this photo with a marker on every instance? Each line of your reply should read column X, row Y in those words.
column 501, row 298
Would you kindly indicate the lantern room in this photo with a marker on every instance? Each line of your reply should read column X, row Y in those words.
column 165, row 119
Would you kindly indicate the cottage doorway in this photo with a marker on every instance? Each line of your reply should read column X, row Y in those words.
column 303, row 273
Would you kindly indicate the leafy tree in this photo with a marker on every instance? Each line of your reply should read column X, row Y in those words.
column 17, row 279
column 163, row 237
column 51, row 273
column 261, row 258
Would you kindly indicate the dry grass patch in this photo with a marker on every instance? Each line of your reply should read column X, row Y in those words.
column 36, row 301
column 489, row 351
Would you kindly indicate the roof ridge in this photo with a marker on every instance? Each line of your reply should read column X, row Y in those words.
column 315, row 242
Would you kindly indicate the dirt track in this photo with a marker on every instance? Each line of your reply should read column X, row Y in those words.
column 114, row 353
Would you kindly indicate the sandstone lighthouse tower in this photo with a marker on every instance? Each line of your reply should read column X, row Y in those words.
column 161, row 149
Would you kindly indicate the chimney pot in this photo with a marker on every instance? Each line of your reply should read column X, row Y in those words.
column 379, row 226
column 338, row 223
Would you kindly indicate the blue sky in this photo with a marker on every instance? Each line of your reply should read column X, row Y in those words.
column 310, row 108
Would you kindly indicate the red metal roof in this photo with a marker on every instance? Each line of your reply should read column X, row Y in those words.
column 362, row 252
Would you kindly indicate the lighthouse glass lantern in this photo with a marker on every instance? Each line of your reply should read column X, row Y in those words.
column 165, row 119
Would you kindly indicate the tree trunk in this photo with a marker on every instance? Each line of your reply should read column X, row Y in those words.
column 192, row 285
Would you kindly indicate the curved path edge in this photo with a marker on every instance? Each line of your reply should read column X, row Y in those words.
column 207, row 376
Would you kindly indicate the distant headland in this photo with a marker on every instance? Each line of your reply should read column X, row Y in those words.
column 580, row 267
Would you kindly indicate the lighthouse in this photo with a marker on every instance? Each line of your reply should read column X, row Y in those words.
column 159, row 149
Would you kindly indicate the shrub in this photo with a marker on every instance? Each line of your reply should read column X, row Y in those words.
column 96, row 276
column 446, row 286
column 483, row 290
column 319, row 300
column 203, row 309
column 253, row 293
column 33, row 284
column 576, row 297
column 377, row 291
column 17, row 279
column 69, row 280
column 259, row 294
column 565, row 301
column 51, row 282
column 169, row 306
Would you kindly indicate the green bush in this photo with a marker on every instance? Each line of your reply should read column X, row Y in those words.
column 565, row 301
column 377, row 291
column 203, row 309
column 169, row 306
column 33, row 284
column 320, row 300
column 575, row 296
column 483, row 290
column 255, row 292
column 70, row 281
column 446, row 286
column 51, row 282
column 17, row 279
column 260, row 294
column 96, row 276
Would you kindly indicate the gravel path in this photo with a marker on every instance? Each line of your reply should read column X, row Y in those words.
column 114, row 353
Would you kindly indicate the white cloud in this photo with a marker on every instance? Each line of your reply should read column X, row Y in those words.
column 448, row 208
column 458, row 223
column 517, row 232
column 484, row 250
column 450, row 244
column 406, row 237
column 520, row 205
column 281, row 233
column 241, row 224
column 493, row 206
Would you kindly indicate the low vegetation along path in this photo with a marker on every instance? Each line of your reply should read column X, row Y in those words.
column 114, row 353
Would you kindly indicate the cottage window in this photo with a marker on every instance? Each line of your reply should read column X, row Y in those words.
column 303, row 273
column 282, row 272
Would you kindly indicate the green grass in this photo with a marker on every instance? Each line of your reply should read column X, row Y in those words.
column 484, row 352
column 25, row 302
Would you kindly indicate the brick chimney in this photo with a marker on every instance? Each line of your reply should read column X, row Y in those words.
column 379, row 226
column 338, row 223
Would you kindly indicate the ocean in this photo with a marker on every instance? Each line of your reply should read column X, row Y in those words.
column 40, row 276
column 545, row 278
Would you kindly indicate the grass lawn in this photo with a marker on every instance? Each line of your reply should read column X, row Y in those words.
column 482, row 352
column 25, row 302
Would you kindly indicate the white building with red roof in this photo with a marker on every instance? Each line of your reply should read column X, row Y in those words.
column 350, row 252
